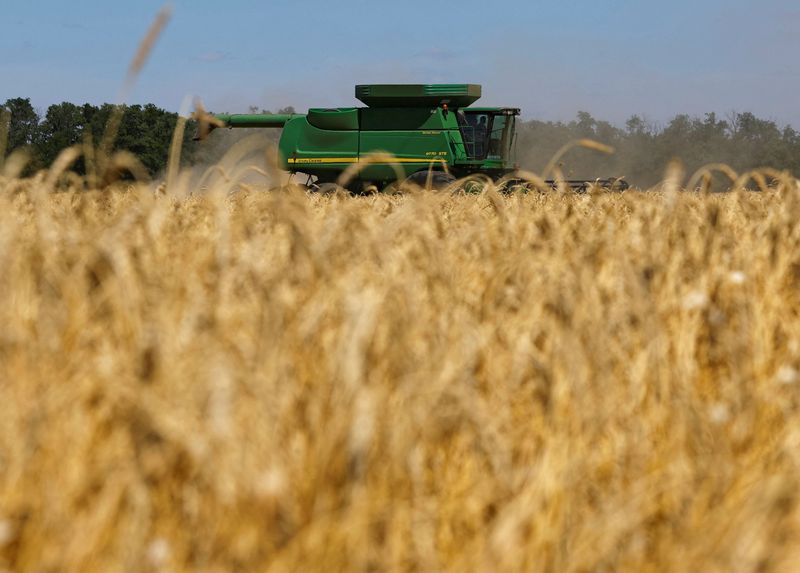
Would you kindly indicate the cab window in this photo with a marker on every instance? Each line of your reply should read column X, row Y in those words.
column 497, row 136
column 475, row 131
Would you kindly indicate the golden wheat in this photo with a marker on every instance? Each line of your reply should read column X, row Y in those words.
column 423, row 382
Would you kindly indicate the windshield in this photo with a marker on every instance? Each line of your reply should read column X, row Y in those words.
column 486, row 135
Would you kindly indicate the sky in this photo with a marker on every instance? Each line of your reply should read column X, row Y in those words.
column 552, row 58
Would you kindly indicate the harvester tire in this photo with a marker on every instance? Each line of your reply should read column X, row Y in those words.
column 330, row 189
column 438, row 180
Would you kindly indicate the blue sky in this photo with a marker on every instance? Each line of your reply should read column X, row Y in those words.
column 613, row 58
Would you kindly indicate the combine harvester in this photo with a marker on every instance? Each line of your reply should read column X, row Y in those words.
column 427, row 134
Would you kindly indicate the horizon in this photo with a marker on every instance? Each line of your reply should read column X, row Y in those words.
column 651, row 126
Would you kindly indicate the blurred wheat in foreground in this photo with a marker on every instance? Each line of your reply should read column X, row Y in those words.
column 425, row 382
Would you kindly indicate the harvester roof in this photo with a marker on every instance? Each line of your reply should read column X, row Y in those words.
column 418, row 95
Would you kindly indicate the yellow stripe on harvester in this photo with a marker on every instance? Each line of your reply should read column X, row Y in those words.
column 315, row 160
column 292, row 160
column 402, row 160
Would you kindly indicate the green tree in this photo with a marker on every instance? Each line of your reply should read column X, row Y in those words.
column 146, row 131
column 24, row 123
column 62, row 127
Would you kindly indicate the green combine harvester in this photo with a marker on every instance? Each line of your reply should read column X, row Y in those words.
column 428, row 134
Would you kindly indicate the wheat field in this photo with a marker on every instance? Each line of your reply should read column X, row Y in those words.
column 245, row 381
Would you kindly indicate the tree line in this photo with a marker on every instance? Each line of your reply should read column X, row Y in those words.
column 643, row 149
column 144, row 130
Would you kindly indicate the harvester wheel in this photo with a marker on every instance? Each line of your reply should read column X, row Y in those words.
column 437, row 181
column 329, row 189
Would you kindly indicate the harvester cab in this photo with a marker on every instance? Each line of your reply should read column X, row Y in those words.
column 488, row 133
column 404, row 131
